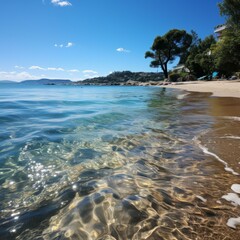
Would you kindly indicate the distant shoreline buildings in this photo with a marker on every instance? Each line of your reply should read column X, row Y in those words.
column 218, row 30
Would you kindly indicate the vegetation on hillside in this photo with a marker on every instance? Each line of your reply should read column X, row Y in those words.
column 201, row 57
column 227, row 51
column 123, row 78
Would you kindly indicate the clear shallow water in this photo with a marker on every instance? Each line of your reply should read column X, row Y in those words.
column 110, row 163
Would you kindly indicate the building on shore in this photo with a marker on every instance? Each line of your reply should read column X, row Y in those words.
column 218, row 30
column 180, row 68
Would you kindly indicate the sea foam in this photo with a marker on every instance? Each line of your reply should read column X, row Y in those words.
column 233, row 222
column 233, row 198
column 227, row 168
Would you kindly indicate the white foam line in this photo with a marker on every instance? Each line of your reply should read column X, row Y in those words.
column 236, row 188
column 233, row 222
column 232, row 198
column 227, row 168
column 201, row 198
column 233, row 118
column 182, row 96
column 232, row 137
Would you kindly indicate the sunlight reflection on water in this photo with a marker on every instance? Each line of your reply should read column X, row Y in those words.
column 110, row 163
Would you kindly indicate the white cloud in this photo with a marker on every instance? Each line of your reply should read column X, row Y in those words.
column 90, row 73
column 70, row 72
column 61, row 3
column 64, row 3
column 17, row 76
column 46, row 69
column 58, row 45
column 73, row 71
column 55, row 69
column 70, row 44
column 36, row 68
column 19, row 67
column 50, row 72
column 122, row 50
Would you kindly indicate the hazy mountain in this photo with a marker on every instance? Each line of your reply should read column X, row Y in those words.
column 46, row 81
column 6, row 81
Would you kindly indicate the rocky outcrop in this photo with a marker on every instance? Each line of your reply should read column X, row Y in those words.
column 125, row 78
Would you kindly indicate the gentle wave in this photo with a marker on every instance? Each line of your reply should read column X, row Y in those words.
column 227, row 168
column 235, row 118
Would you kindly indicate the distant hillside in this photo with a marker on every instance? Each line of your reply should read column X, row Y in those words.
column 124, row 78
column 6, row 81
column 47, row 82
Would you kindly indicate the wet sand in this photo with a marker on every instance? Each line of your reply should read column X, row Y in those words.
column 217, row 88
column 221, row 144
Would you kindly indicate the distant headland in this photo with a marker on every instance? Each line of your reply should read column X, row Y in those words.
column 115, row 78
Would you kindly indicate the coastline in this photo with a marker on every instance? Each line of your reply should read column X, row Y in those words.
column 225, row 88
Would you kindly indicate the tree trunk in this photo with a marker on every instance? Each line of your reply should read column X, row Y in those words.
column 165, row 71
column 163, row 67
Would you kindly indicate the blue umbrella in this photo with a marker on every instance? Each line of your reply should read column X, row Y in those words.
column 214, row 74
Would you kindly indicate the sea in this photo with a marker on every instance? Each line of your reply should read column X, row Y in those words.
column 118, row 163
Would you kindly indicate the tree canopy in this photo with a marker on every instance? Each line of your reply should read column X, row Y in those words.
column 200, row 60
column 227, row 51
column 231, row 9
column 167, row 47
column 195, row 41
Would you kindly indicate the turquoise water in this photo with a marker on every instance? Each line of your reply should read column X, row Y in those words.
column 99, row 162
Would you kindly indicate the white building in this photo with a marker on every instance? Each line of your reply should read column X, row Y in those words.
column 218, row 30
column 180, row 68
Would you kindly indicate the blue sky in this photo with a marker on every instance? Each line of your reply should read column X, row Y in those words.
column 77, row 39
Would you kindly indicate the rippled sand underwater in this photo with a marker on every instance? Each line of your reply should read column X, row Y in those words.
column 145, row 163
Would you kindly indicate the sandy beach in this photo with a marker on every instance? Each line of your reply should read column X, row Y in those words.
column 221, row 88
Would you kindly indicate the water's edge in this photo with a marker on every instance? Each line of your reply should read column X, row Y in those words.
column 118, row 163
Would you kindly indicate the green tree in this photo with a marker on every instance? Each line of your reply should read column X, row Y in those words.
column 200, row 60
column 195, row 42
column 227, row 51
column 167, row 47
column 231, row 9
